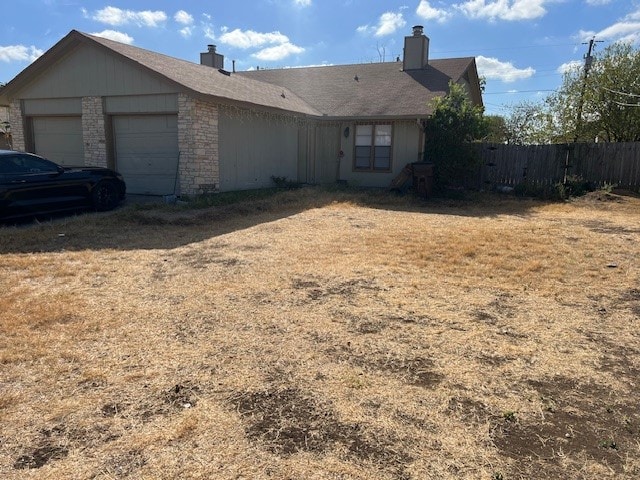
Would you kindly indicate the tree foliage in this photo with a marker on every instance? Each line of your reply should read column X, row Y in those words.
column 530, row 123
column 604, row 104
column 496, row 129
column 455, row 123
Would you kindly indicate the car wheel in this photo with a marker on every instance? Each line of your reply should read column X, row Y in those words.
column 105, row 196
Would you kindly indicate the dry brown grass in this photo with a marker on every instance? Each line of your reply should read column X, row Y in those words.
column 324, row 335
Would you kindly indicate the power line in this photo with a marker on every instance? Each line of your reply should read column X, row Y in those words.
column 627, row 104
column 621, row 93
column 520, row 91
column 506, row 48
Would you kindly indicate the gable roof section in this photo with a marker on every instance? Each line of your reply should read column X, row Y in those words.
column 371, row 90
column 195, row 78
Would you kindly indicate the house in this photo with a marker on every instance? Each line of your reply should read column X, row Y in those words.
column 173, row 126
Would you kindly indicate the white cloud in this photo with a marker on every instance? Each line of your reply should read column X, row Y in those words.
column 302, row 3
column 388, row 23
column 621, row 31
column 494, row 69
column 627, row 30
column 570, row 66
column 209, row 32
column 503, row 9
column 274, row 45
column 186, row 32
column 115, row 36
column 633, row 15
column 598, row 2
column 278, row 52
column 250, row 39
column 427, row 12
column 19, row 53
column 116, row 16
column 183, row 17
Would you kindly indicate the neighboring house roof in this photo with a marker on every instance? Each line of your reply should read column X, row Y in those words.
column 371, row 90
column 376, row 90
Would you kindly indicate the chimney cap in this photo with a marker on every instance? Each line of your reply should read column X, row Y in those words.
column 418, row 30
column 211, row 48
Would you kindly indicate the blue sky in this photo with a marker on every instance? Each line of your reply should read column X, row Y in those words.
column 521, row 46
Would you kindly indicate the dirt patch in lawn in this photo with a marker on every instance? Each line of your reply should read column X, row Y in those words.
column 287, row 421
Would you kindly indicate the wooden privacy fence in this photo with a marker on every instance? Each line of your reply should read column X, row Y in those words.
column 599, row 163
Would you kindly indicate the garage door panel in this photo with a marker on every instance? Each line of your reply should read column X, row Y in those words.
column 146, row 148
column 59, row 139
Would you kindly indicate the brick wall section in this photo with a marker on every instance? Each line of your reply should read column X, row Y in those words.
column 17, row 126
column 93, row 132
column 198, row 144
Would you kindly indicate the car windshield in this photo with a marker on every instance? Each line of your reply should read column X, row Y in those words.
column 25, row 164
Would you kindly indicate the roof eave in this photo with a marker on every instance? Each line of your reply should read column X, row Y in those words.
column 40, row 65
column 372, row 118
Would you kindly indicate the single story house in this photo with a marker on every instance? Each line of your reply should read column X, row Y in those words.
column 175, row 127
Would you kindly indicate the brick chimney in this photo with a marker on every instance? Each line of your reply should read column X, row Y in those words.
column 212, row 59
column 416, row 50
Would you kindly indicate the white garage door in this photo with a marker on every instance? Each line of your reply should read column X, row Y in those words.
column 146, row 149
column 59, row 139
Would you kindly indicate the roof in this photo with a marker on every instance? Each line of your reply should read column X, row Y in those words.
column 369, row 90
column 198, row 79
column 377, row 90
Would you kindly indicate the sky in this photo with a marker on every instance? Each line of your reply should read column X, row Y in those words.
column 521, row 47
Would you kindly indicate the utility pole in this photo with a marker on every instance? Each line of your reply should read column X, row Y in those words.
column 588, row 61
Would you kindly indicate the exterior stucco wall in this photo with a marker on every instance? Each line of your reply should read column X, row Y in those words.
column 198, row 143
column 17, row 125
column 93, row 132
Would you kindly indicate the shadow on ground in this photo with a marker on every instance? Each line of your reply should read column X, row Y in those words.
column 150, row 223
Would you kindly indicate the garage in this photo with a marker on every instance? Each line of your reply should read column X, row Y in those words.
column 59, row 139
column 146, row 152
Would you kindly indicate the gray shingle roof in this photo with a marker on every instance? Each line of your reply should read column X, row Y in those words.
column 209, row 81
column 369, row 90
column 376, row 90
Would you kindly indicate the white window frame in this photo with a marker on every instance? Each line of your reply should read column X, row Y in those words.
column 378, row 139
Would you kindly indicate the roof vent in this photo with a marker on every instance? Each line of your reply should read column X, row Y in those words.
column 211, row 48
column 417, row 31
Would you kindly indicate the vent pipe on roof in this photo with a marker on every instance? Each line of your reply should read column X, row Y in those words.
column 416, row 50
column 212, row 59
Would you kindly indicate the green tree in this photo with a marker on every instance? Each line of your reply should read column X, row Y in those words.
column 455, row 123
column 604, row 103
column 496, row 129
column 530, row 123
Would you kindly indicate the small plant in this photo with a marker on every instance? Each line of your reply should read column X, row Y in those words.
column 283, row 182
column 509, row 416
column 609, row 444
column 497, row 476
column 576, row 186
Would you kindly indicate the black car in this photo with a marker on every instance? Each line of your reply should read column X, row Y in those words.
column 31, row 185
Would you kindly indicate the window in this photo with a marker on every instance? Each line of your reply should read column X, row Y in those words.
column 373, row 148
column 25, row 164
